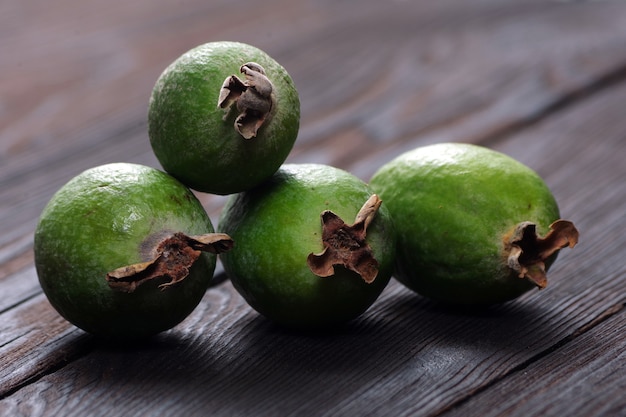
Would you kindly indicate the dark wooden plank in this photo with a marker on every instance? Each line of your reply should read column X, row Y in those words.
column 575, row 380
column 36, row 341
column 19, row 286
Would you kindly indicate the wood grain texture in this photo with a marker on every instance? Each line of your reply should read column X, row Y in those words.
column 541, row 81
column 575, row 380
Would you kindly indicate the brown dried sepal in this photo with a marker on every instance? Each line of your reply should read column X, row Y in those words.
column 253, row 98
column 527, row 252
column 175, row 254
column 345, row 244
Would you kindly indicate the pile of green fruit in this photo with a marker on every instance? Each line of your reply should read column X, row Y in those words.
column 126, row 251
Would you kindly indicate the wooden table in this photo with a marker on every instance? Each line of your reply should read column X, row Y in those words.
column 543, row 81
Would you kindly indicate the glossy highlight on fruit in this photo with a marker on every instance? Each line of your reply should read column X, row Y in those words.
column 314, row 247
column 223, row 117
column 475, row 227
column 125, row 251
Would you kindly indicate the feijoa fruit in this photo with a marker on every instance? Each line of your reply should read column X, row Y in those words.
column 125, row 251
column 223, row 117
column 314, row 246
column 475, row 226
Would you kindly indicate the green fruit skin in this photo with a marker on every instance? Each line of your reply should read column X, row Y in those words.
column 188, row 132
column 96, row 223
column 276, row 225
column 453, row 204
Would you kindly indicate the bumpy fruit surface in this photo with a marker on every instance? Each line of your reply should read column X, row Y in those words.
column 466, row 218
column 223, row 117
column 110, row 255
column 308, row 218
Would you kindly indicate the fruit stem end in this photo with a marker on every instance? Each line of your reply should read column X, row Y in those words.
column 253, row 98
column 527, row 253
column 345, row 244
column 174, row 256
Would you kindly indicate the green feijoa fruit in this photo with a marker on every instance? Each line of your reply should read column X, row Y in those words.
column 314, row 246
column 125, row 251
column 223, row 117
column 475, row 226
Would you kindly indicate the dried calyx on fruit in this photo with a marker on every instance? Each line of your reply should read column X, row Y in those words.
column 528, row 253
column 169, row 261
column 252, row 97
column 346, row 245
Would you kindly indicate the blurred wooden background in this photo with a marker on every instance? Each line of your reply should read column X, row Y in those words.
column 543, row 81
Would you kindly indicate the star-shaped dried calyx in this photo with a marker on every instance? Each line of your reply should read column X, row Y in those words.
column 253, row 98
column 174, row 256
column 345, row 244
column 527, row 252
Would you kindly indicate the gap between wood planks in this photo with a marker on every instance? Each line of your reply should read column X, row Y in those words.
column 605, row 315
column 569, row 99
column 601, row 84
column 88, row 343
